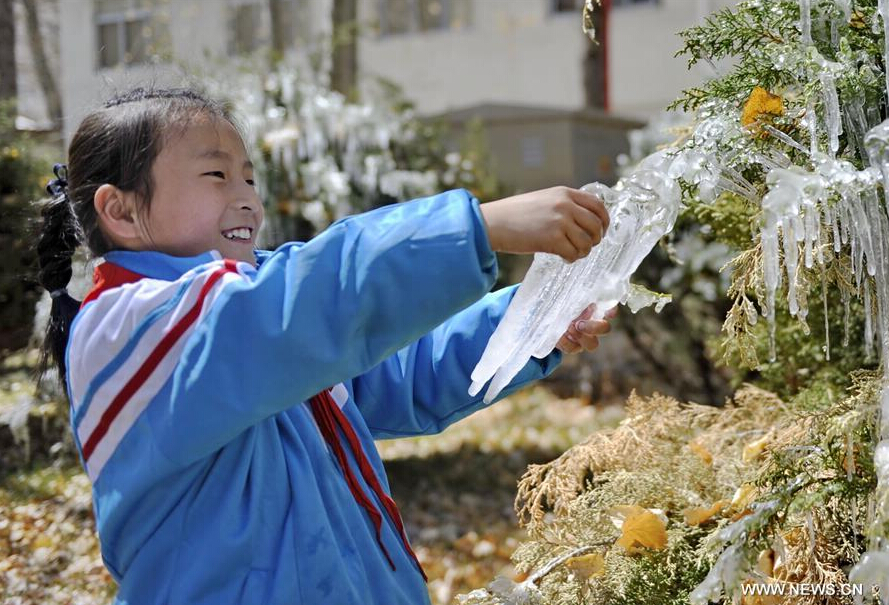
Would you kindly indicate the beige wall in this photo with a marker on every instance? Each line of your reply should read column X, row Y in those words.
column 518, row 51
column 515, row 52
column 645, row 76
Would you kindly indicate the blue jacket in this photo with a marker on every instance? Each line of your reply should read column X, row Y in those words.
column 188, row 379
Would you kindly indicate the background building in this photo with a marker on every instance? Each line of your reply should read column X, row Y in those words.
column 37, row 66
column 522, row 66
column 451, row 54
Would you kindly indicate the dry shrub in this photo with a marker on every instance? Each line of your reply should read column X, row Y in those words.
column 655, row 444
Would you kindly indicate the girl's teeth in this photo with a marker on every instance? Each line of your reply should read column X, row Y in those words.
column 238, row 234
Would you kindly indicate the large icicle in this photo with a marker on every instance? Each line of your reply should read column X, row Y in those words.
column 805, row 21
column 642, row 208
column 883, row 8
column 873, row 568
column 790, row 204
column 876, row 142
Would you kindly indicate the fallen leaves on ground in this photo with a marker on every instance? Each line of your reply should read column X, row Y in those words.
column 48, row 547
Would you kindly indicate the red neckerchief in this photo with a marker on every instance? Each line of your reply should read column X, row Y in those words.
column 328, row 416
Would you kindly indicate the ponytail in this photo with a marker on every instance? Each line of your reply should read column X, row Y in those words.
column 56, row 243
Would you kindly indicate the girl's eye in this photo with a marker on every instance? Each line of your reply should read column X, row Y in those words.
column 251, row 182
column 216, row 173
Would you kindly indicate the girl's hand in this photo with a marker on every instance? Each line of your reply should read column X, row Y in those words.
column 559, row 220
column 584, row 333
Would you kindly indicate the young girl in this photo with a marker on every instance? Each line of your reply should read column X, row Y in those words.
column 224, row 400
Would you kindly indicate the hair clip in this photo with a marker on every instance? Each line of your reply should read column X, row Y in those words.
column 58, row 185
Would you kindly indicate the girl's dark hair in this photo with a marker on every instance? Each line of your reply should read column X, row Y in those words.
column 117, row 145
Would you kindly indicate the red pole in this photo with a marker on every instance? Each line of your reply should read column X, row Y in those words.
column 606, row 9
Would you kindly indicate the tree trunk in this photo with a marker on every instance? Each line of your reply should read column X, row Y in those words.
column 595, row 64
column 344, row 74
column 41, row 64
column 8, row 85
column 279, row 43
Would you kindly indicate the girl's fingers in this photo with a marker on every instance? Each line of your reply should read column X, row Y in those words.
column 593, row 204
column 581, row 240
column 583, row 333
column 566, row 345
column 588, row 312
column 589, row 327
column 566, row 250
column 591, row 224
column 590, row 343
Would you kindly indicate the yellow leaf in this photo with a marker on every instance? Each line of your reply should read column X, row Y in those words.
column 587, row 566
column 766, row 562
column 42, row 541
column 761, row 103
column 754, row 449
column 858, row 19
column 641, row 529
column 696, row 516
column 701, row 452
column 744, row 495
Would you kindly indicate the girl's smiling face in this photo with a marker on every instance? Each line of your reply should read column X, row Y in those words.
column 203, row 197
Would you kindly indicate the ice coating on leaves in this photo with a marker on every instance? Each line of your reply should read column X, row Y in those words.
column 871, row 571
column 640, row 297
column 732, row 565
column 323, row 156
column 526, row 591
column 799, row 202
column 642, row 208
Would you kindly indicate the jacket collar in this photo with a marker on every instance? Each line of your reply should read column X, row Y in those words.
column 125, row 266
column 157, row 265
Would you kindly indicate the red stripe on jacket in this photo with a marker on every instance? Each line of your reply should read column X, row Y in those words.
column 154, row 358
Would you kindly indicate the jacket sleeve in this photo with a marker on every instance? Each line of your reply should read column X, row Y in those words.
column 310, row 316
column 423, row 387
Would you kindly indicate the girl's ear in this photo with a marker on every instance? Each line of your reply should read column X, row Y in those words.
column 118, row 220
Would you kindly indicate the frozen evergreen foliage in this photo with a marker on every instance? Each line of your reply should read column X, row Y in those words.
column 322, row 157
column 788, row 163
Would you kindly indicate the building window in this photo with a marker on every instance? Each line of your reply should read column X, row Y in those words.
column 129, row 32
column 404, row 16
column 533, row 154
